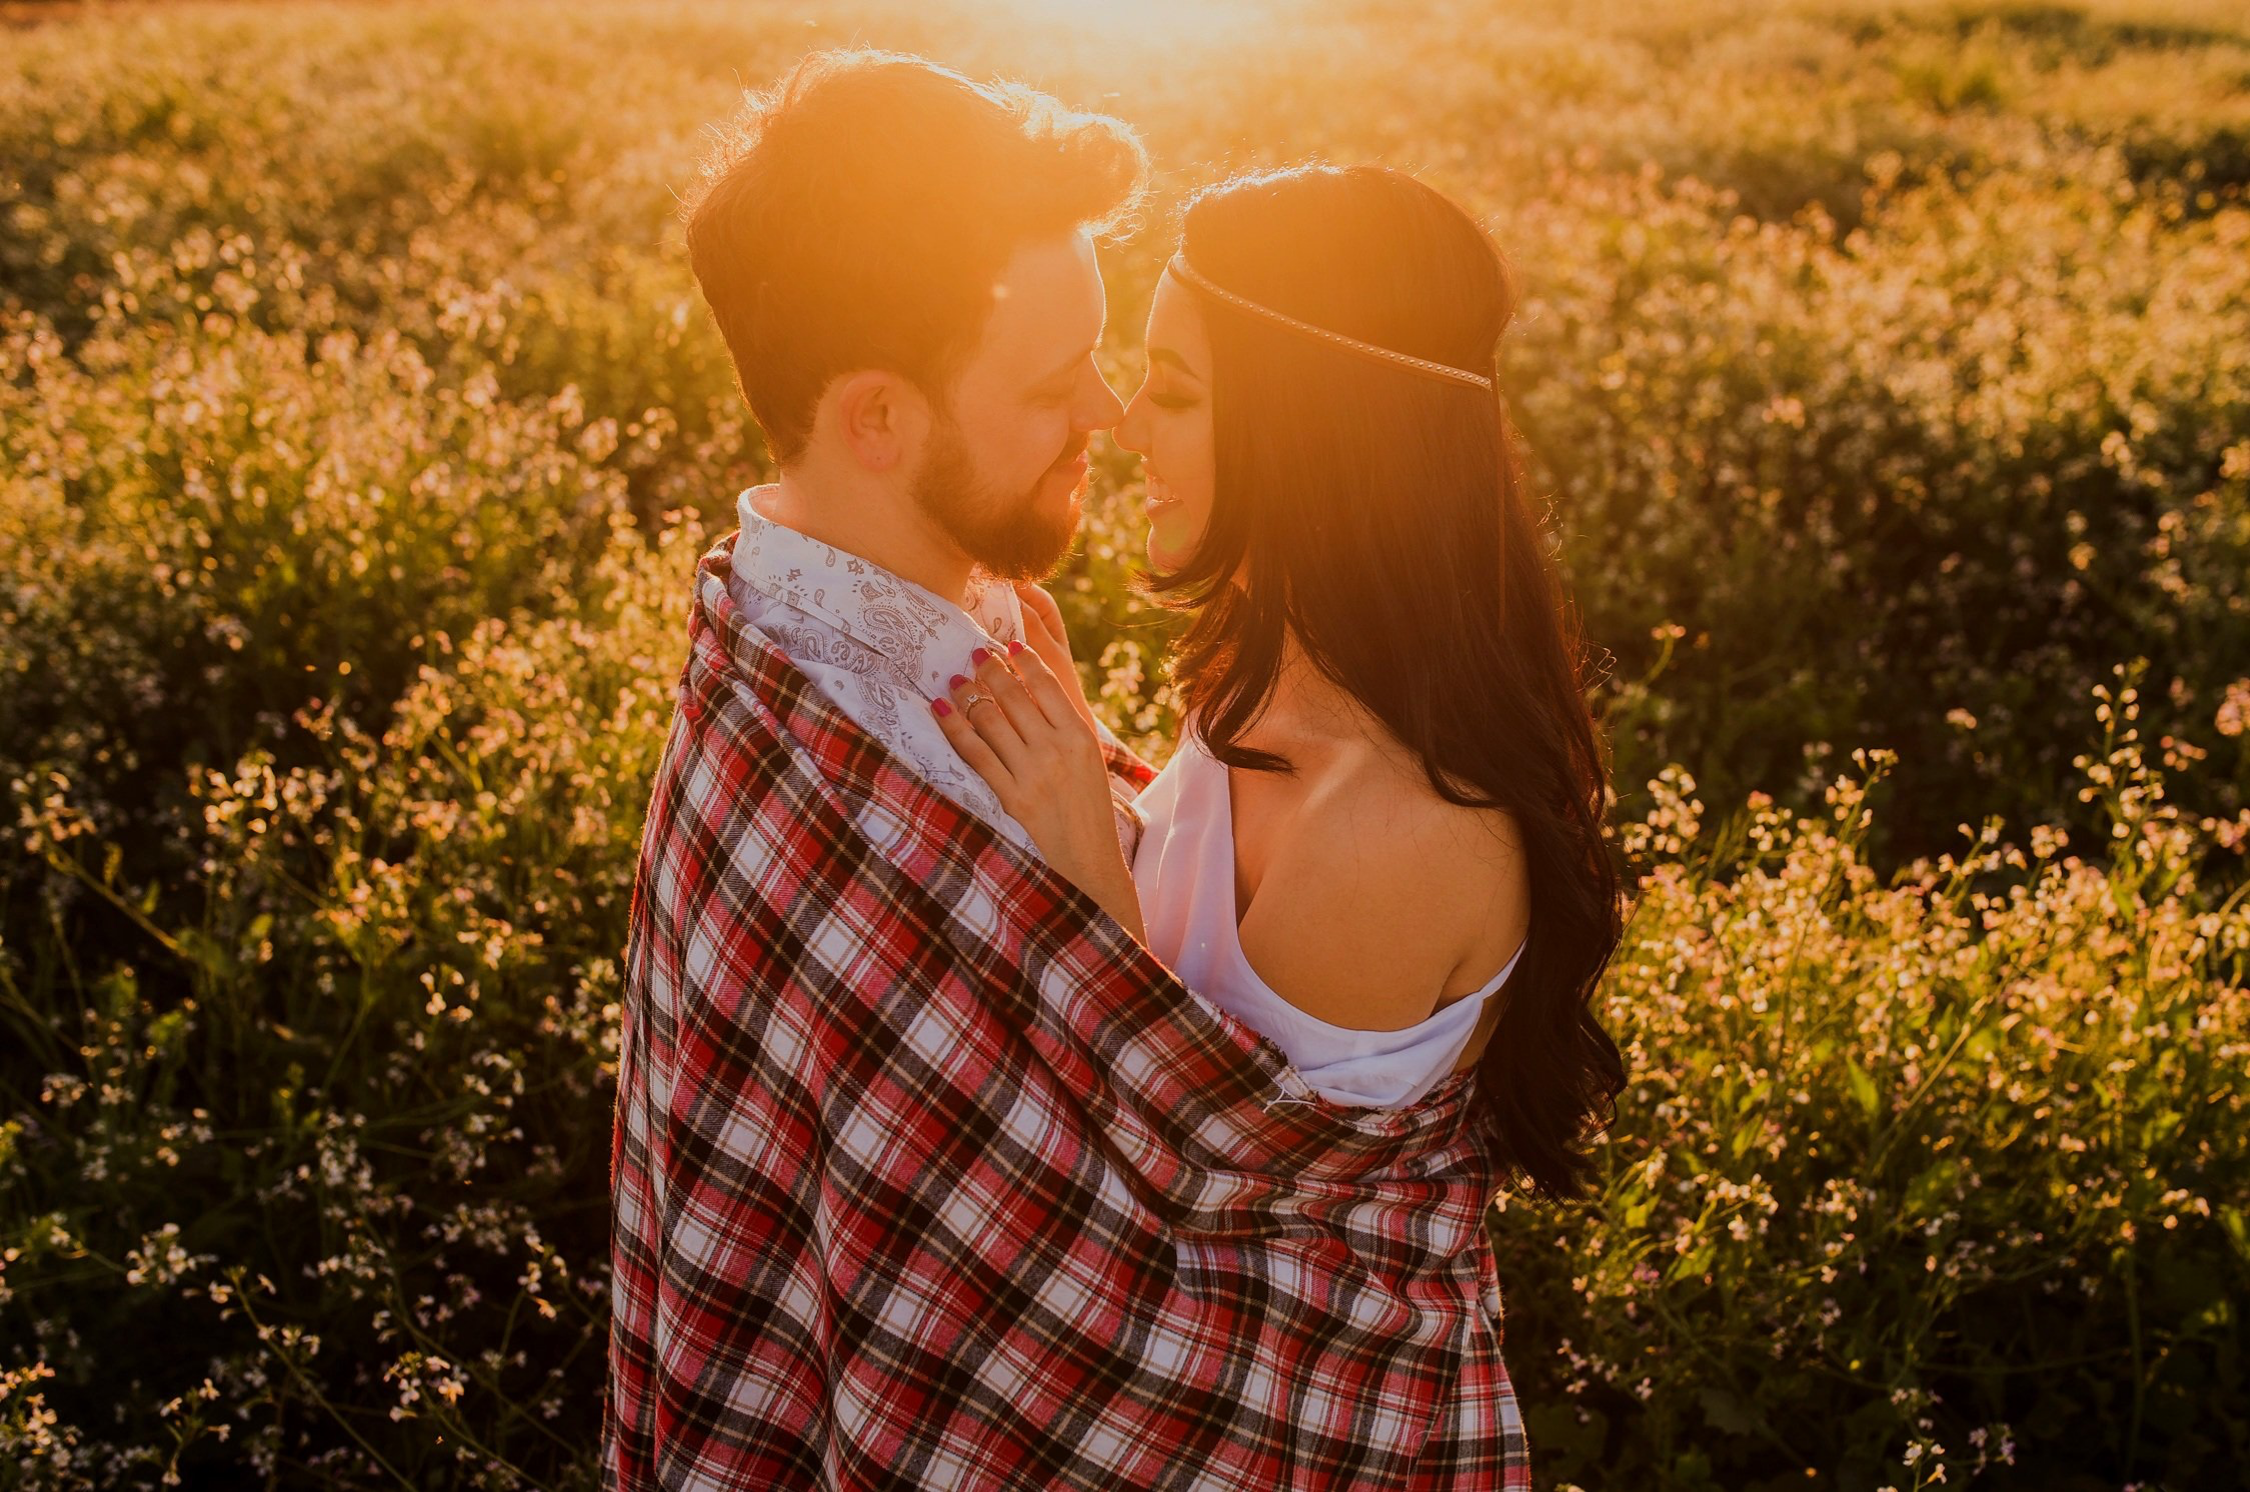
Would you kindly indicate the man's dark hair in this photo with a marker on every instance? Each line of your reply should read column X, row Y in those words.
column 858, row 215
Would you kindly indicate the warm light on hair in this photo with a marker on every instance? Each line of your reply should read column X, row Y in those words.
column 858, row 215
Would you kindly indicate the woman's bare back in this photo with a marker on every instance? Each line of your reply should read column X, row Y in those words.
column 1365, row 899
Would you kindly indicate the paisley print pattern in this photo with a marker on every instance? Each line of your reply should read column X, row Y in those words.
column 878, row 645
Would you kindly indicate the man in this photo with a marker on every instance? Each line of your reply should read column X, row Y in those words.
column 925, row 1173
column 902, row 267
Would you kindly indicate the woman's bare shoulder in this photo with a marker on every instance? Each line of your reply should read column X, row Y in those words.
column 1466, row 863
column 1387, row 899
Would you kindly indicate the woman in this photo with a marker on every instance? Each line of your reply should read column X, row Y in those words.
column 1379, row 842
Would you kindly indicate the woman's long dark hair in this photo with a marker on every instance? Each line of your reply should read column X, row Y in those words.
column 1378, row 515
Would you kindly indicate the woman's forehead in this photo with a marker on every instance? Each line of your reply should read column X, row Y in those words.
column 1175, row 325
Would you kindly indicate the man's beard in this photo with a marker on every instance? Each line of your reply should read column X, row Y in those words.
column 1004, row 534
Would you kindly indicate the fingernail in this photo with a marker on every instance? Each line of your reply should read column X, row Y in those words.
column 979, row 656
column 956, row 681
column 941, row 707
column 1015, row 646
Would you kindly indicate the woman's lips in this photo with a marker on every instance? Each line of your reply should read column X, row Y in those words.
column 1155, row 496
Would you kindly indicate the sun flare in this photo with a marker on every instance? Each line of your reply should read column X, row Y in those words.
column 1196, row 25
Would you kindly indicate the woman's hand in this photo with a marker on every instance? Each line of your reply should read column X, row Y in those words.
column 1043, row 629
column 1017, row 727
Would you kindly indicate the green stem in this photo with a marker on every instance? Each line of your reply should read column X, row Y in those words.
column 312, row 1390
column 491, row 1386
column 1693, row 1342
column 68, row 865
column 2140, row 1365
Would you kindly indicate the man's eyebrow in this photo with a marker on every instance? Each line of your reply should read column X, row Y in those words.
column 1167, row 355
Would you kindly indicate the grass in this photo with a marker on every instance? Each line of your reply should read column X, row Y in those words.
column 1883, row 369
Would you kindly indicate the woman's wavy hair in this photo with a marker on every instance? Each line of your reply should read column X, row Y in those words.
column 1378, row 514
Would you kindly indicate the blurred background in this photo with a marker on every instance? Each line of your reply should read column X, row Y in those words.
column 1882, row 369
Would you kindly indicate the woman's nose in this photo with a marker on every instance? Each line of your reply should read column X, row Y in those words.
column 1129, row 432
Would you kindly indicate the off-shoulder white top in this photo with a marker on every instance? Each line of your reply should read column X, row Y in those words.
column 1184, row 871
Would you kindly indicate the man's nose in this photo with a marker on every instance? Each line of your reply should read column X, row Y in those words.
column 1104, row 409
column 1126, row 433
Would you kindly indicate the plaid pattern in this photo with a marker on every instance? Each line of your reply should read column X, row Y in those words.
column 927, row 1175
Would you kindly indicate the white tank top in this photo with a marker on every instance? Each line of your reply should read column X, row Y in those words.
column 1184, row 870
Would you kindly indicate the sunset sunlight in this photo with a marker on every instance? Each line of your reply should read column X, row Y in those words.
column 1202, row 745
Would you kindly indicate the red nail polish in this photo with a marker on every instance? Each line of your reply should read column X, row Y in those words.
column 1014, row 647
column 978, row 657
column 956, row 681
column 941, row 707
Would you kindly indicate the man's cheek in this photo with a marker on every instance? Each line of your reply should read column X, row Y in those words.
column 1034, row 448
column 1063, row 441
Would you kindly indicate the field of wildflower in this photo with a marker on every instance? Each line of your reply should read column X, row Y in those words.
column 1886, row 369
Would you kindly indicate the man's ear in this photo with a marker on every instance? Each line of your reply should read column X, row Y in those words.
column 883, row 418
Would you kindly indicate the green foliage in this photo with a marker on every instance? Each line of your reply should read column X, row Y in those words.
column 1920, row 1178
column 307, row 1169
column 199, row 519
column 1960, row 460
column 1884, row 367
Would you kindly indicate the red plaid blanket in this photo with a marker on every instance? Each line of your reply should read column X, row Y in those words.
column 927, row 1175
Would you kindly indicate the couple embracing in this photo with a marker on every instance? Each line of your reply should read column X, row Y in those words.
column 994, row 1110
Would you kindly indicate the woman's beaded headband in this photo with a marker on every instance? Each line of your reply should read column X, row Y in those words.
column 1178, row 265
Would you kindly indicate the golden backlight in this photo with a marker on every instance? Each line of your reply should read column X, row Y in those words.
column 1197, row 25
